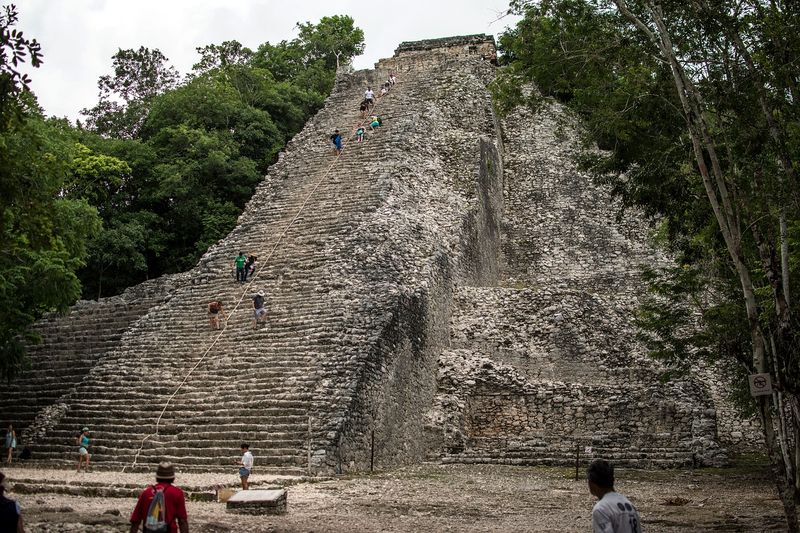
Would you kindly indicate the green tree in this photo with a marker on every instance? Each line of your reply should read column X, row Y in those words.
column 96, row 178
column 194, row 150
column 696, row 103
column 14, row 47
column 220, row 56
column 125, row 98
column 332, row 40
column 43, row 234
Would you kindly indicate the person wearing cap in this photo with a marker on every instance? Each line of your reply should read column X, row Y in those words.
column 259, row 312
column 10, row 513
column 83, row 448
column 174, row 501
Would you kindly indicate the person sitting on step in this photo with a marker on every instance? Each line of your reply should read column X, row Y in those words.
column 374, row 122
column 214, row 310
column 259, row 312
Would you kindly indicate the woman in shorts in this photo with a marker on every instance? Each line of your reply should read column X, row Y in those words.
column 83, row 448
column 214, row 310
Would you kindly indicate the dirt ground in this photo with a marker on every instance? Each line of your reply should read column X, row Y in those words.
column 450, row 498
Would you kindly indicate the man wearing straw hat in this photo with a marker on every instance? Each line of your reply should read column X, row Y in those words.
column 173, row 513
column 259, row 312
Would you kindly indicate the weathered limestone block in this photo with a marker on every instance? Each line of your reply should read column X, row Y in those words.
column 259, row 501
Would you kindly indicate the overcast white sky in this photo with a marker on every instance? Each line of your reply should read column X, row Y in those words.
column 79, row 37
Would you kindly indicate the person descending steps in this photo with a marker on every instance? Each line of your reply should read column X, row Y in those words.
column 215, row 309
column 250, row 266
column 369, row 97
column 336, row 139
column 239, row 262
column 259, row 312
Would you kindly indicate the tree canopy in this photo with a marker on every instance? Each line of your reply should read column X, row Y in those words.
column 43, row 232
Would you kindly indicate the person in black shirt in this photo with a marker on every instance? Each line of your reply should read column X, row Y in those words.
column 250, row 266
column 10, row 514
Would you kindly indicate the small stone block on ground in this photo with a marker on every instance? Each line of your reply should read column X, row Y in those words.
column 271, row 501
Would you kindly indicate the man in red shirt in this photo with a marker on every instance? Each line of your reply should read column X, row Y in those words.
column 174, row 502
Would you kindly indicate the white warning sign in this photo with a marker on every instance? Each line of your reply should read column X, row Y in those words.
column 760, row 385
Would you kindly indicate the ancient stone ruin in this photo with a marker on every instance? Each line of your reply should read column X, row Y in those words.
column 451, row 289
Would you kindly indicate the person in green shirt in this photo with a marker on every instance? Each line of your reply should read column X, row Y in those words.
column 239, row 262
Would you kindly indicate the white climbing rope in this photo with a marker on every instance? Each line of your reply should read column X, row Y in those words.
column 245, row 291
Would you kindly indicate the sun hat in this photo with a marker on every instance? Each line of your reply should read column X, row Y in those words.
column 85, row 430
column 261, row 293
column 165, row 472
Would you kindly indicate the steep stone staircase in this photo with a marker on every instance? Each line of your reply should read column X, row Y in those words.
column 362, row 234
column 253, row 385
column 71, row 345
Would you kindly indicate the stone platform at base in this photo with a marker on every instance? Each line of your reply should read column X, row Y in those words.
column 272, row 501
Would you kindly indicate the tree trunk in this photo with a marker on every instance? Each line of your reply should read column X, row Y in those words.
column 785, row 257
column 727, row 217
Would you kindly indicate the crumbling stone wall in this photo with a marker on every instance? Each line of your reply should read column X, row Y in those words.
column 549, row 362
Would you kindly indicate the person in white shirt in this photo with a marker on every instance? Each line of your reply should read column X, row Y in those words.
column 369, row 96
column 246, row 465
column 614, row 513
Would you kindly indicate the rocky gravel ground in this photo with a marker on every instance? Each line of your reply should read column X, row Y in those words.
column 435, row 498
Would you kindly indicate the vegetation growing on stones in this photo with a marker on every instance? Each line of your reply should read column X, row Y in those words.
column 696, row 105
column 161, row 168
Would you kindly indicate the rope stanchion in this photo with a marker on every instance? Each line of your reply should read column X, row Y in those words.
column 244, row 292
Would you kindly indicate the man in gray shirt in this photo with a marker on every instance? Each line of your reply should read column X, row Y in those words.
column 614, row 513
